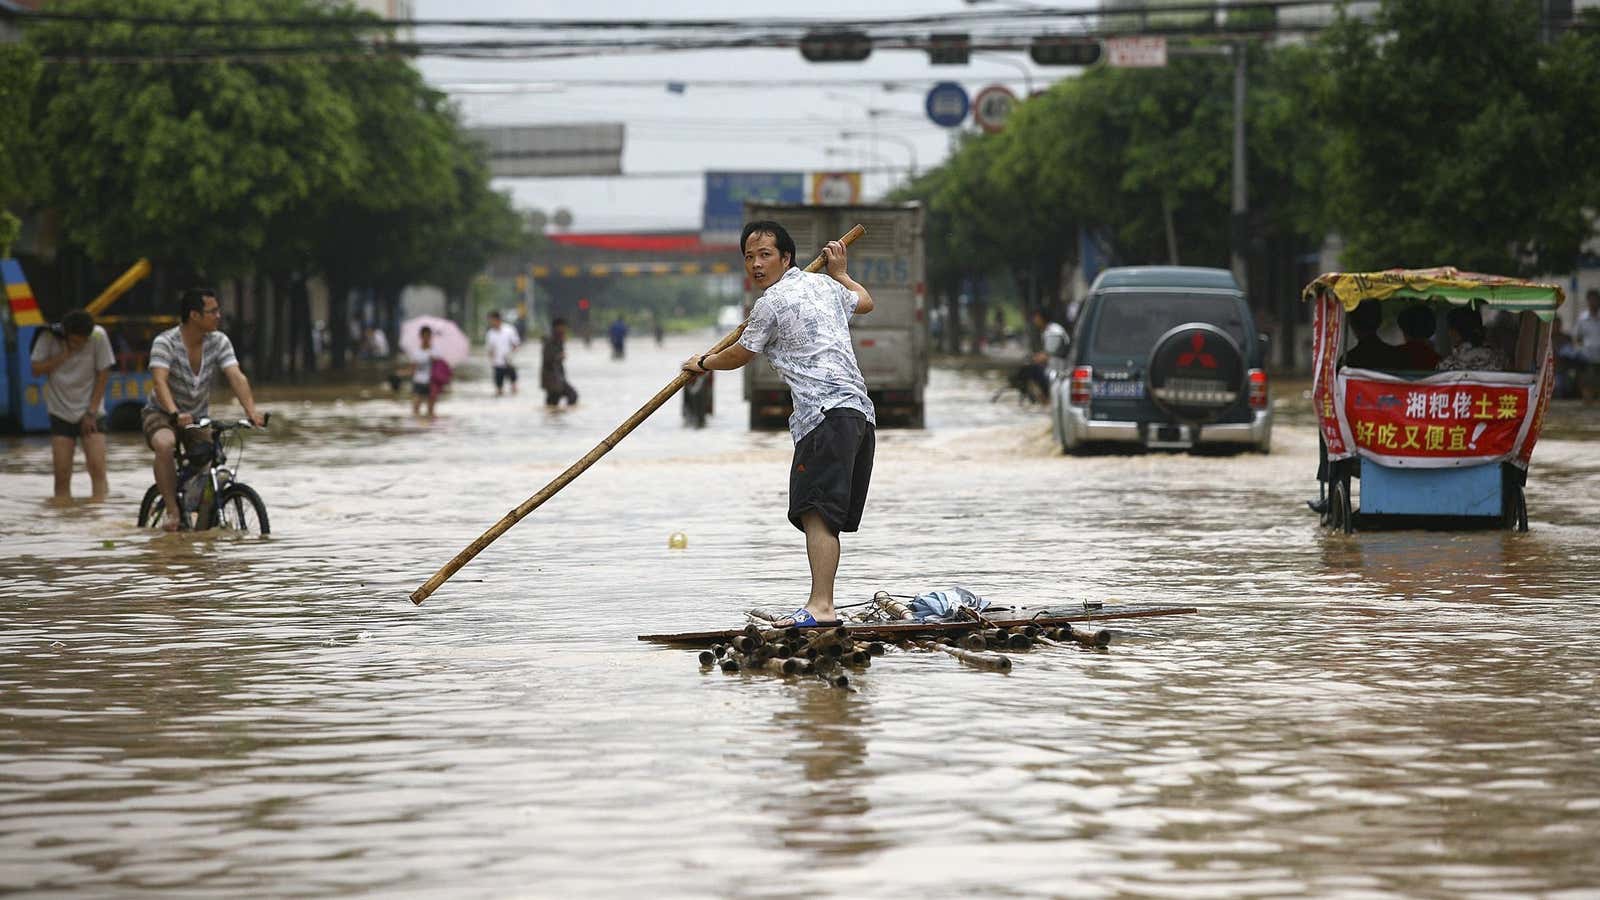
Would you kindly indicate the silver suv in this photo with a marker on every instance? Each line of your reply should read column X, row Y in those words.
column 1164, row 357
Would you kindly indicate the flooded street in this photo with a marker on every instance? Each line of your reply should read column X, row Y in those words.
column 1382, row 715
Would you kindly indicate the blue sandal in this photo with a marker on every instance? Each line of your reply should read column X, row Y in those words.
column 802, row 618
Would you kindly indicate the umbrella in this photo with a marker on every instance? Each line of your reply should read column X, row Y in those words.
column 449, row 342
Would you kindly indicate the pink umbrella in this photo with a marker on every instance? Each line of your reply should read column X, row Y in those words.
column 449, row 342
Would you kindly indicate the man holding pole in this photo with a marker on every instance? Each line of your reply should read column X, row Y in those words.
column 802, row 323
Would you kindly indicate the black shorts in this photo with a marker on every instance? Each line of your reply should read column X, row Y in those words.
column 60, row 427
column 502, row 374
column 420, row 390
column 832, row 468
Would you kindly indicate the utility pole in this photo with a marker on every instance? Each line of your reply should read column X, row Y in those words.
column 1241, row 192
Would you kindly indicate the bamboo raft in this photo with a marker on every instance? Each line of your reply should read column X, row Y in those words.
column 830, row 653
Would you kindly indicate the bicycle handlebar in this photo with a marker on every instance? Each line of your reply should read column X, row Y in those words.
column 266, row 419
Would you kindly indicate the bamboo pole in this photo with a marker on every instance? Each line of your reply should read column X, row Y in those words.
column 994, row 662
column 573, row 471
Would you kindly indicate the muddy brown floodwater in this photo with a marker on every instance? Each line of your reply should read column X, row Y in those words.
column 1381, row 715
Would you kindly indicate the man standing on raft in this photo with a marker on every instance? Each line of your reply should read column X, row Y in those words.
column 802, row 323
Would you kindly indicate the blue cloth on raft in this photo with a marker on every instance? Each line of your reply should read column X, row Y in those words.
column 940, row 605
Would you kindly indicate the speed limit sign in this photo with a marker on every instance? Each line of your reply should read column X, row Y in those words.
column 991, row 107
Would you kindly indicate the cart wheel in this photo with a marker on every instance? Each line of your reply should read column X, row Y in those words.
column 1339, row 518
column 1515, row 516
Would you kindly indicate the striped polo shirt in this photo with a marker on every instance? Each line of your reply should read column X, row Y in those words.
column 191, row 389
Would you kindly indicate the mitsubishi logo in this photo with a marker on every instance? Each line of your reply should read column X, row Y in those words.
column 1196, row 354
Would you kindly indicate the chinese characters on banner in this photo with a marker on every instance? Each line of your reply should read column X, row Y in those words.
column 1324, row 351
column 1448, row 421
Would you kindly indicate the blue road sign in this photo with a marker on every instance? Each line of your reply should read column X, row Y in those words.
column 947, row 104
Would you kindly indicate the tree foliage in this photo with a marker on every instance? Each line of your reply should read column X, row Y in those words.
column 1413, row 137
column 1449, row 148
column 253, row 164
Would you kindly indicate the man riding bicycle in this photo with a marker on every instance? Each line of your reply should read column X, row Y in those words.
column 184, row 361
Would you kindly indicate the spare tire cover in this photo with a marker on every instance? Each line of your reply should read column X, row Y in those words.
column 1196, row 371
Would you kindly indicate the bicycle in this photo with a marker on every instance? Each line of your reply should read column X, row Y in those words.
column 209, row 496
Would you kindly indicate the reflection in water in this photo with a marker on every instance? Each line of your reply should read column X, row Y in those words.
column 816, row 798
column 1385, row 714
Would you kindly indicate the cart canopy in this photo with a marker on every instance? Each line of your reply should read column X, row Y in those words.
column 1443, row 283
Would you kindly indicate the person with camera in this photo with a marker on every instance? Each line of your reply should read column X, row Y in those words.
column 184, row 361
column 75, row 359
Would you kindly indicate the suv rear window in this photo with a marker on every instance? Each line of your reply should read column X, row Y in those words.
column 1129, row 324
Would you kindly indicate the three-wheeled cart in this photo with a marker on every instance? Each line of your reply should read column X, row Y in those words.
column 1431, row 448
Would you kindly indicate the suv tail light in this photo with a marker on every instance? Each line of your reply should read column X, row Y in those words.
column 1078, row 388
column 1258, row 388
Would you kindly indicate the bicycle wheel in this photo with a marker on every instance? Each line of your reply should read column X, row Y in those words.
column 240, row 509
column 153, row 511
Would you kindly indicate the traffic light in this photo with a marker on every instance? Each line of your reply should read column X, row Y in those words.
column 836, row 46
column 1064, row 51
column 949, row 49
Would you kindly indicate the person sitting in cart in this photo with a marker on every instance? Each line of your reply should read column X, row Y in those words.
column 1371, row 351
column 1418, row 323
column 1470, row 348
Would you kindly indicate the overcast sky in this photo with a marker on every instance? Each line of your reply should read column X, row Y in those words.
column 711, row 126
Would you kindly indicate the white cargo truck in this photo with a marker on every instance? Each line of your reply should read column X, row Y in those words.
column 891, row 342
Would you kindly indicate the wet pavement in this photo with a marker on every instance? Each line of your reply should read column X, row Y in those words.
column 1380, row 715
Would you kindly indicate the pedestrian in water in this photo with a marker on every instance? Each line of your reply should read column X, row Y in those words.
column 500, row 340
column 618, row 332
column 553, row 367
column 802, row 323
column 420, row 366
column 75, row 359
column 657, row 327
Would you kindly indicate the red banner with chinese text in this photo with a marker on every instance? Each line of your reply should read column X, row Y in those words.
column 1325, row 326
column 1449, row 419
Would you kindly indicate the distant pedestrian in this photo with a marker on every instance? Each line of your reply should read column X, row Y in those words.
column 618, row 332
column 500, row 340
column 659, row 329
column 553, row 367
column 377, row 344
column 801, row 322
column 420, row 367
column 75, row 359
column 1588, row 334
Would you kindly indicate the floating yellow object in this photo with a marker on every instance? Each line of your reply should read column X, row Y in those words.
column 678, row 541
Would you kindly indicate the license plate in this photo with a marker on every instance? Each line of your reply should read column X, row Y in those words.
column 1119, row 390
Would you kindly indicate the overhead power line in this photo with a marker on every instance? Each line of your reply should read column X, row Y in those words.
column 569, row 24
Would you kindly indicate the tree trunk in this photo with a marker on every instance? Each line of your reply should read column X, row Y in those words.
column 338, row 322
column 280, row 325
column 302, row 357
column 1172, row 231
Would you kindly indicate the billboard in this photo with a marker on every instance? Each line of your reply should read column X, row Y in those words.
column 726, row 193
column 835, row 188
column 551, row 151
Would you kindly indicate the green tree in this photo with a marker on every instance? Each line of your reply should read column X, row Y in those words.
column 1449, row 148
column 19, row 72
column 185, row 161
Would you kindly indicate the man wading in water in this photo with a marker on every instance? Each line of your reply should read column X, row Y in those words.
column 802, row 323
